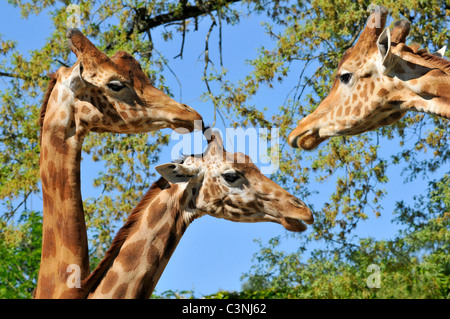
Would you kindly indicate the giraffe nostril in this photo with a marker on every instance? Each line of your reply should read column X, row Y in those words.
column 294, row 137
column 187, row 107
column 297, row 202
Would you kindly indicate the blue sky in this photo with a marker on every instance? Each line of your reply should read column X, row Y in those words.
column 213, row 254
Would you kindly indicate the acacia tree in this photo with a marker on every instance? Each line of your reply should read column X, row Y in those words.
column 308, row 40
column 415, row 263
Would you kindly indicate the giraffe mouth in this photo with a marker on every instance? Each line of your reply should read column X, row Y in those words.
column 295, row 218
column 293, row 224
column 306, row 140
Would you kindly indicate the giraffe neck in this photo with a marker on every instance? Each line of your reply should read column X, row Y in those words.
column 426, row 79
column 431, row 95
column 143, row 247
column 64, row 237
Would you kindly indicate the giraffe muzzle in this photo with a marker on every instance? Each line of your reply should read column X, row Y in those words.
column 306, row 140
column 293, row 224
column 294, row 215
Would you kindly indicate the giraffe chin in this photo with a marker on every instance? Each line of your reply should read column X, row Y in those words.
column 311, row 141
column 293, row 224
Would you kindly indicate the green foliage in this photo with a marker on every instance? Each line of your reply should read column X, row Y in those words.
column 20, row 253
column 414, row 264
column 307, row 40
column 311, row 37
column 174, row 294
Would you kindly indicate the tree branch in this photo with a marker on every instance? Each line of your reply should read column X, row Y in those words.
column 187, row 12
column 12, row 75
column 182, row 42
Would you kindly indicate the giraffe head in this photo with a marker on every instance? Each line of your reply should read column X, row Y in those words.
column 228, row 185
column 370, row 87
column 115, row 95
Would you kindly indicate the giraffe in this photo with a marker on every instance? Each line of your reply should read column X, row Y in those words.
column 98, row 94
column 215, row 183
column 377, row 82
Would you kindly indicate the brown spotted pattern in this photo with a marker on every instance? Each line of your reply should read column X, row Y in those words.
column 144, row 245
column 99, row 94
column 377, row 82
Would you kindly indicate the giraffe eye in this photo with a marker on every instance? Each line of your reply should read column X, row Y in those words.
column 115, row 86
column 345, row 78
column 230, row 177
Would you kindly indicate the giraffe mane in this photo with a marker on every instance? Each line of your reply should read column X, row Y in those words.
column 50, row 87
column 92, row 281
column 440, row 63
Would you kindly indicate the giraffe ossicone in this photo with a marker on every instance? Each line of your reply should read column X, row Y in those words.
column 377, row 81
column 216, row 183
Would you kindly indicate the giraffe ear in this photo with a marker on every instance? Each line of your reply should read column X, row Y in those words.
column 385, row 55
column 441, row 52
column 384, row 44
column 215, row 145
column 177, row 173
column 75, row 80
